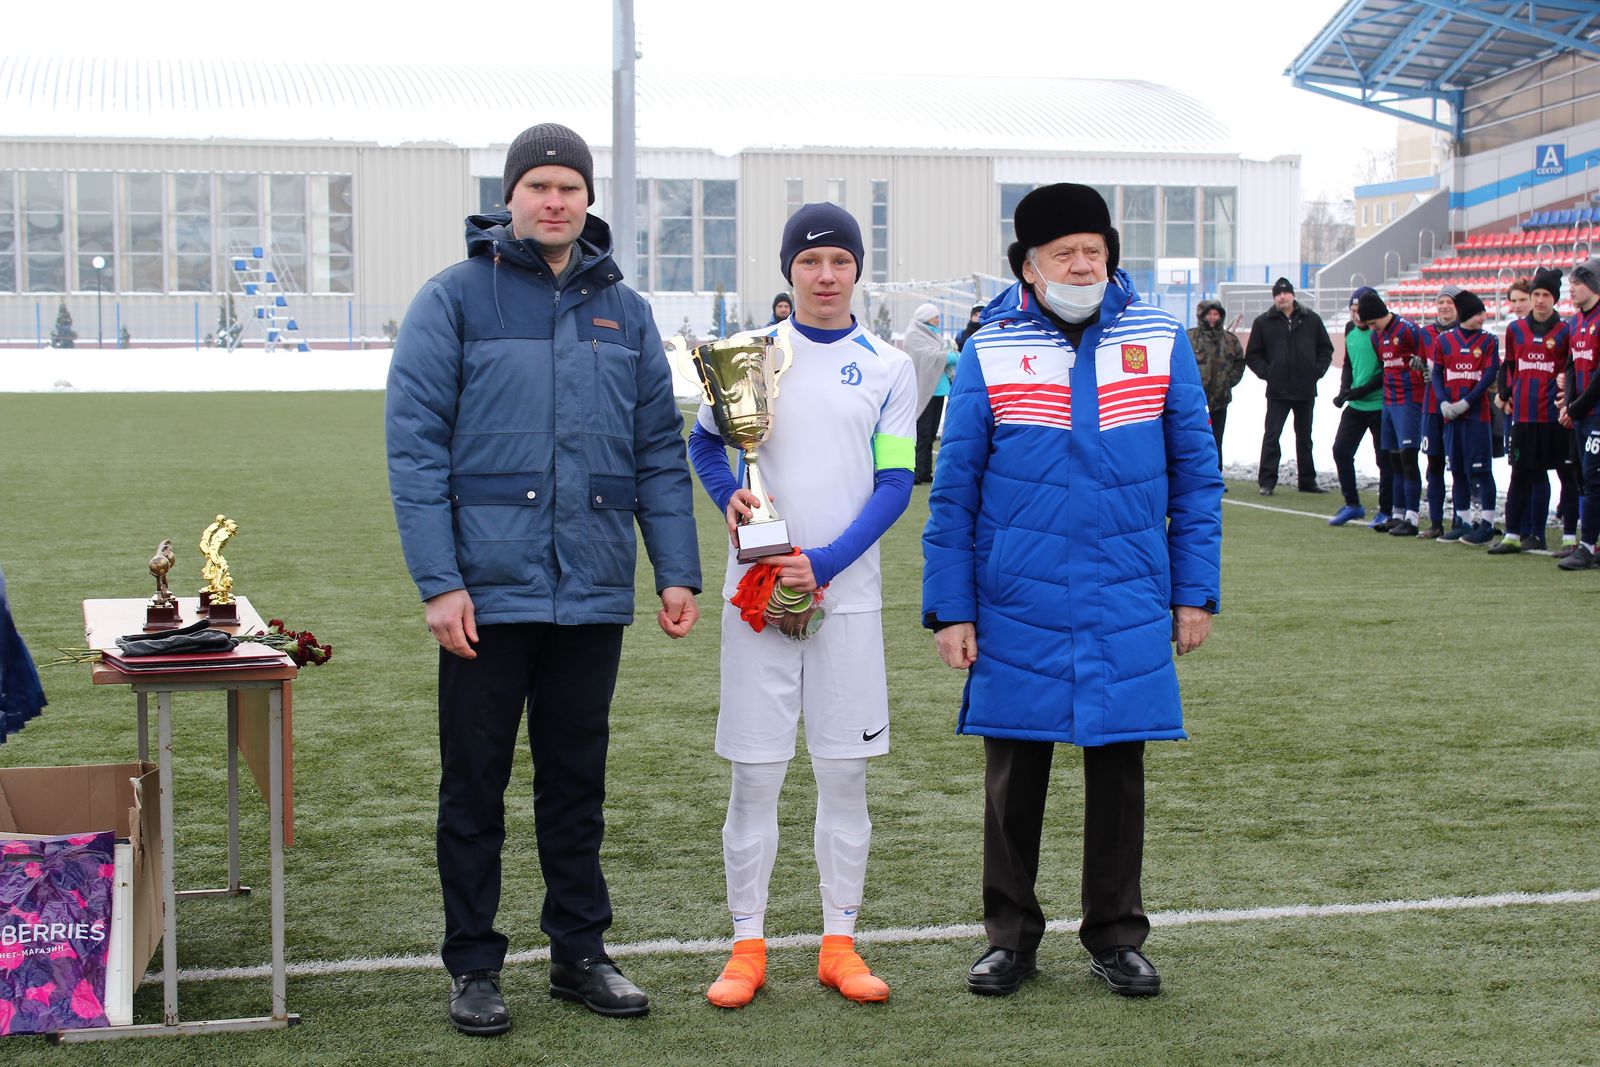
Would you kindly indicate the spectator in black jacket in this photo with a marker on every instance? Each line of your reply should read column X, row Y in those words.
column 1289, row 350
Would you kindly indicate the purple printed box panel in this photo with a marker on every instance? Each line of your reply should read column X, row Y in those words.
column 55, row 928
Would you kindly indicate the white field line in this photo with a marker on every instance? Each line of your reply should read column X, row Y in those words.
column 909, row 934
column 1357, row 524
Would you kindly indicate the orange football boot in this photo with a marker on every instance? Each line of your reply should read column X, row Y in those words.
column 839, row 967
column 745, row 973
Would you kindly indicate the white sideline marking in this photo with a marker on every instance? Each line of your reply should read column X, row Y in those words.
column 1358, row 524
column 1280, row 511
column 905, row 934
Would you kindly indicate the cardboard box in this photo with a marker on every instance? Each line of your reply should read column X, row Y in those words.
column 123, row 797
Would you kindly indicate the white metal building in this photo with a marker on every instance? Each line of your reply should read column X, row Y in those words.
column 354, row 180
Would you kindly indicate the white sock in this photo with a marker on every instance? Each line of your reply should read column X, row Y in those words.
column 750, row 843
column 1411, row 517
column 842, row 838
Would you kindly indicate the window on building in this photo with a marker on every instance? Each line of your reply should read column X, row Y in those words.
column 333, row 244
column 836, row 191
column 674, row 252
column 718, row 235
column 1178, row 218
column 688, row 235
column 641, row 220
column 1217, row 243
column 880, row 230
column 286, row 215
column 143, row 246
column 44, row 231
column 8, row 231
column 190, row 239
column 794, row 194
column 489, row 190
column 96, row 195
column 241, row 213
column 1138, row 230
column 1011, row 195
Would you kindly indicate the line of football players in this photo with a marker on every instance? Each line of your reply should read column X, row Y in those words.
column 1451, row 392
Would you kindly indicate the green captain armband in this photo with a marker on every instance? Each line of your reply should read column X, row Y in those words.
column 889, row 452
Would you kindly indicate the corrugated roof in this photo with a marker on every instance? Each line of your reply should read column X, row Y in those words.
column 478, row 106
column 1379, row 53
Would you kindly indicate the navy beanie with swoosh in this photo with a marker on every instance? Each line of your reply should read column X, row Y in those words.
column 820, row 226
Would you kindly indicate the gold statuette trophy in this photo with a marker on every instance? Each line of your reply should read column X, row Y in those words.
column 161, row 610
column 216, row 596
column 739, row 377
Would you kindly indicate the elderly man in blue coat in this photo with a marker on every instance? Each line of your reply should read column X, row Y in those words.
column 531, row 422
column 1074, row 537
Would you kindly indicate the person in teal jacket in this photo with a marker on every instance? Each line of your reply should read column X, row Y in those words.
column 1074, row 536
column 531, row 424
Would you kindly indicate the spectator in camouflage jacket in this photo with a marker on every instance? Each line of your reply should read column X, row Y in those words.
column 1221, row 358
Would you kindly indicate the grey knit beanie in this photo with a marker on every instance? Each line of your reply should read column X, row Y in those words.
column 547, row 144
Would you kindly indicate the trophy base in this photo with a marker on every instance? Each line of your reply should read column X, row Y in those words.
column 205, row 602
column 161, row 617
column 758, row 540
column 223, row 614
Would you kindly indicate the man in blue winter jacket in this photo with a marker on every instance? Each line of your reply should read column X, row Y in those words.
column 1074, row 536
column 530, row 423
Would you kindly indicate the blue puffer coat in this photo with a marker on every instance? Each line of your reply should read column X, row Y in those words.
column 528, row 428
column 1075, row 503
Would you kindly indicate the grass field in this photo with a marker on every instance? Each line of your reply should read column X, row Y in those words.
column 1371, row 721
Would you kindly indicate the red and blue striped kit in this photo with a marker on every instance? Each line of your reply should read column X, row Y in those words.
column 1583, row 338
column 1430, row 349
column 1533, row 366
column 1468, row 362
column 1395, row 345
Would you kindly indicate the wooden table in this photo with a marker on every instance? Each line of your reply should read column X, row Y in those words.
column 259, row 703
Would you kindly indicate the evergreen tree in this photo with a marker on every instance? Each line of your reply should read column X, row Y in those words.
column 880, row 322
column 719, row 314
column 123, row 340
column 63, row 335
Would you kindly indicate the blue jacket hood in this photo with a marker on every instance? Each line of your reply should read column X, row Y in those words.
column 491, row 232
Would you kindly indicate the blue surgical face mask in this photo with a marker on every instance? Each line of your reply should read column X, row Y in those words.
column 1074, row 304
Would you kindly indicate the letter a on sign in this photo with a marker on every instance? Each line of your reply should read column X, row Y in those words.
column 1550, row 159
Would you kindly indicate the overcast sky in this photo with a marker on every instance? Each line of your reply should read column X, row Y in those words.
column 1229, row 54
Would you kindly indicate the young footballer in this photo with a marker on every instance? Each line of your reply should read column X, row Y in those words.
column 1400, row 347
column 1535, row 358
column 838, row 464
column 1465, row 366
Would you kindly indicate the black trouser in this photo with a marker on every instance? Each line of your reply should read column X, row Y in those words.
column 1277, row 414
column 563, row 678
column 1355, row 424
column 1219, row 419
column 1588, row 437
column 1015, row 783
column 927, row 427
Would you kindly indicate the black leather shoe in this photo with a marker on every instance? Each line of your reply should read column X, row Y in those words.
column 1126, row 971
column 1266, row 490
column 599, row 986
column 999, row 972
column 476, row 1006
column 1313, row 488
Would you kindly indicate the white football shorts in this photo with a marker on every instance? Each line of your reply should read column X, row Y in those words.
column 836, row 679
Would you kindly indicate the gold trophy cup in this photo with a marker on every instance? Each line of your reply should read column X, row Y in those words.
column 739, row 377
